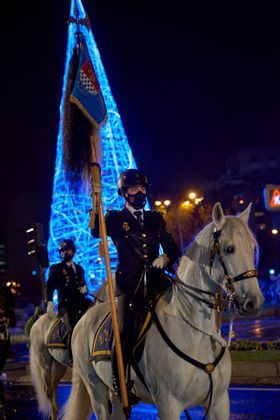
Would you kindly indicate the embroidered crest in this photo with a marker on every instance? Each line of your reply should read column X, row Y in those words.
column 126, row 226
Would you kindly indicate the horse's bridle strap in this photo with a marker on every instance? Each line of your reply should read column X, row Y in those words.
column 180, row 283
column 246, row 275
column 207, row 367
column 216, row 250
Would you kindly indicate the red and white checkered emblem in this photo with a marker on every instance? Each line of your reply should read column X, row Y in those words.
column 89, row 79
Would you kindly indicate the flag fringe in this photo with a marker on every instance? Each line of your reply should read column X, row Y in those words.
column 78, row 134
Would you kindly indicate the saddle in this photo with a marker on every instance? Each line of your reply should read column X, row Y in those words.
column 104, row 339
column 57, row 335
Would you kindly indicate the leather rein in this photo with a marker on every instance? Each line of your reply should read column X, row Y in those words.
column 219, row 303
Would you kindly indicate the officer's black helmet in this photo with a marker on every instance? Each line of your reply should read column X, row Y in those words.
column 131, row 177
column 67, row 244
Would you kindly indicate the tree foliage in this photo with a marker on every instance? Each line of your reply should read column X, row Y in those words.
column 184, row 222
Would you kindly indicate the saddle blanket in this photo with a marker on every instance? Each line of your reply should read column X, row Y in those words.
column 104, row 337
column 57, row 334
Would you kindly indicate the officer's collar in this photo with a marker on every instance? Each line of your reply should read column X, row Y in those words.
column 132, row 209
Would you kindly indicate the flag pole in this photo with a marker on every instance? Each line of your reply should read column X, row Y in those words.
column 97, row 202
column 80, row 98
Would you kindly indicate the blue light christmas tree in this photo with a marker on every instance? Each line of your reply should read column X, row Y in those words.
column 69, row 210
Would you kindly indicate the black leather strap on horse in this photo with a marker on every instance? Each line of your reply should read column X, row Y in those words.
column 139, row 373
column 216, row 250
column 179, row 283
column 246, row 275
column 206, row 367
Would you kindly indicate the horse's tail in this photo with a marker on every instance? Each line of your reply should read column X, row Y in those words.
column 78, row 405
column 39, row 385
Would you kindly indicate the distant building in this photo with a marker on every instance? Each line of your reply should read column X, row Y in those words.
column 247, row 173
column 3, row 256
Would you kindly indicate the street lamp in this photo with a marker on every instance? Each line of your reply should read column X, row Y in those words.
column 192, row 195
column 274, row 231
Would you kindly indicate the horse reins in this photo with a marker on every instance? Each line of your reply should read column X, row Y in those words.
column 220, row 304
column 230, row 280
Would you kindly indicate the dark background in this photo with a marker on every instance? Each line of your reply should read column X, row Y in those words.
column 193, row 84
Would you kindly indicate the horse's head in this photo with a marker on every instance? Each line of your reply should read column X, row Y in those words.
column 233, row 256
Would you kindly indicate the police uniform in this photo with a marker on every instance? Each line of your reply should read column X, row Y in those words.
column 137, row 246
column 68, row 282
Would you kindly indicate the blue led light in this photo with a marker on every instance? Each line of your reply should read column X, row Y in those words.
column 69, row 212
column 271, row 271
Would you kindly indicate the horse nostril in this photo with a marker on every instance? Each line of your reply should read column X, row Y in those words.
column 249, row 305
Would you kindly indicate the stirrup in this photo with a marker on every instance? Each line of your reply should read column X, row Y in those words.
column 132, row 398
column 116, row 386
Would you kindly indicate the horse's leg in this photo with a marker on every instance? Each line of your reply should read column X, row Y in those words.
column 219, row 408
column 117, row 410
column 57, row 372
column 169, row 408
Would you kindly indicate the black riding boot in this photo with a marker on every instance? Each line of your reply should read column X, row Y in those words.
column 126, row 334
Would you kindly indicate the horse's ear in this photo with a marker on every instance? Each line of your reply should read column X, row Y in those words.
column 244, row 215
column 218, row 216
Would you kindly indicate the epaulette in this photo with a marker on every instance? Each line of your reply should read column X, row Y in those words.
column 158, row 212
column 54, row 266
column 111, row 213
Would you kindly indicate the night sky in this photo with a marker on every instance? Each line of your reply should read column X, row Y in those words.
column 193, row 84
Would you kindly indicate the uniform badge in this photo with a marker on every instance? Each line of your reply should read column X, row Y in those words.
column 126, row 226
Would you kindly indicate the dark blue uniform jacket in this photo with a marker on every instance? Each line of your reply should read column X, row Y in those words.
column 67, row 283
column 137, row 246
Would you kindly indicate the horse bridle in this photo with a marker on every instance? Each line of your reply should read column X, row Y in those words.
column 220, row 303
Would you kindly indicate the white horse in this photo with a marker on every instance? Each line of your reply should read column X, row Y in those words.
column 47, row 366
column 186, row 315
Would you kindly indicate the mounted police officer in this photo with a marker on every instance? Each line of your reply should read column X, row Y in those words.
column 137, row 235
column 68, row 278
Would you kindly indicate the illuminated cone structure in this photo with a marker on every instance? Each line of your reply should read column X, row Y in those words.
column 70, row 211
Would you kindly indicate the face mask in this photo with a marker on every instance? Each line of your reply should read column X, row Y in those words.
column 137, row 200
column 67, row 257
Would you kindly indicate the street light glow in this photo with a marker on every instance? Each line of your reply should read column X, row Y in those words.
column 167, row 202
column 158, row 203
column 192, row 195
column 274, row 231
column 186, row 203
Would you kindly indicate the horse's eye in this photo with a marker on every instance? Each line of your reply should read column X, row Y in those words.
column 229, row 250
